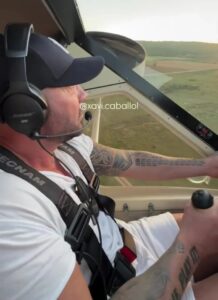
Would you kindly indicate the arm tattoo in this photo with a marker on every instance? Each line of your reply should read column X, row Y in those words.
column 155, row 283
column 148, row 160
column 176, row 295
column 194, row 255
column 109, row 161
column 106, row 161
column 186, row 271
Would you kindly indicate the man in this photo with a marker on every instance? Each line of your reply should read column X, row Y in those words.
column 36, row 262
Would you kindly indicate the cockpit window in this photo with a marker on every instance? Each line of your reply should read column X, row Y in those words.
column 156, row 20
column 125, row 123
column 180, row 39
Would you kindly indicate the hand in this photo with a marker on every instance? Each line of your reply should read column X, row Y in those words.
column 199, row 226
column 212, row 165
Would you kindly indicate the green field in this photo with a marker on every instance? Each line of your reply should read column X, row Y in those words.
column 194, row 51
column 198, row 94
column 193, row 69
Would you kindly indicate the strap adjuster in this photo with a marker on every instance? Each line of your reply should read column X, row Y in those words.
column 95, row 182
column 77, row 230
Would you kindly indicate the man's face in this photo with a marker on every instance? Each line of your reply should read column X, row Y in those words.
column 64, row 113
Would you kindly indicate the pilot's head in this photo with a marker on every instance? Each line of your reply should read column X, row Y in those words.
column 25, row 80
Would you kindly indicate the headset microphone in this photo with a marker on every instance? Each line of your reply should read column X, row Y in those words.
column 38, row 136
column 88, row 116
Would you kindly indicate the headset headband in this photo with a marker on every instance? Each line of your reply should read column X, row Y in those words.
column 22, row 106
column 17, row 38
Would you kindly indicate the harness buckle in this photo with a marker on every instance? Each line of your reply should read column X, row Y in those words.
column 77, row 229
column 123, row 271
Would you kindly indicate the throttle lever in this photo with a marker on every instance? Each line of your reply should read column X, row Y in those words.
column 202, row 199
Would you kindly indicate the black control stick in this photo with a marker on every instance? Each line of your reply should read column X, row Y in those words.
column 202, row 199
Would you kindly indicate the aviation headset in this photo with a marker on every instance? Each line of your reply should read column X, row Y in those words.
column 22, row 106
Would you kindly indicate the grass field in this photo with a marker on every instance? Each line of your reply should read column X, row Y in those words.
column 187, row 51
column 171, row 66
column 198, row 94
column 193, row 69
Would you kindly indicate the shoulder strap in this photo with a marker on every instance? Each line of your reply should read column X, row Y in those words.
column 74, row 216
column 105, row 203
column 91, row 177
column 10, row 163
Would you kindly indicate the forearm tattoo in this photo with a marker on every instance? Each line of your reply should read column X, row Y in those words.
column 144, row 160
column 186, row 272
column 156, row 282
column 108, row 161
column 176, row 295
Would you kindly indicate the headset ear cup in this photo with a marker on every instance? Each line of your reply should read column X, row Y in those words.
column 24, row 112
column 22, row 105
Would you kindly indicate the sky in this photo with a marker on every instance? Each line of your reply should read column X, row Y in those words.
column 171, row 20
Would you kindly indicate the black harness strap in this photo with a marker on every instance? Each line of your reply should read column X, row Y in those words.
column 91, row 177
column 73, row 215
column 123, row 270
column 10, row 163
column 105, row 203
column 79, row 234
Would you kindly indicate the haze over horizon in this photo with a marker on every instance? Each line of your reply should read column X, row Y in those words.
column 187, row 20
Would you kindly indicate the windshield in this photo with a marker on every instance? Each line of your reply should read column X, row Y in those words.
column 156, row 20
column 180, row 39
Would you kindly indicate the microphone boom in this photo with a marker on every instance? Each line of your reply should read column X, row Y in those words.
column 38, row 136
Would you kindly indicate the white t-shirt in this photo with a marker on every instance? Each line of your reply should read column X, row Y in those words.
column 35, row 261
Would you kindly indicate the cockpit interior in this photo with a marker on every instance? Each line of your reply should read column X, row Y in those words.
column 158, row 90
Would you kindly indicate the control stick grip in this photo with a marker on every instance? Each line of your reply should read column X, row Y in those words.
column 202, row 199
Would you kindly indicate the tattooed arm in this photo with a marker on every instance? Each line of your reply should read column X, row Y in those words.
column 149, row 166
column 167, row 278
